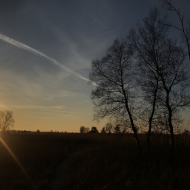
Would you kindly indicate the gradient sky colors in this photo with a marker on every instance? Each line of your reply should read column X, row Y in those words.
column 46, row 49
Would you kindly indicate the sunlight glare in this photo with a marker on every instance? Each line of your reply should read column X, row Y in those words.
column 14, row 157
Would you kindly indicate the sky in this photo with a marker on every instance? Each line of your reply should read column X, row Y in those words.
column 46, row 50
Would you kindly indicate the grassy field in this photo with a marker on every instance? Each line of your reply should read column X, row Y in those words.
column 94, row 162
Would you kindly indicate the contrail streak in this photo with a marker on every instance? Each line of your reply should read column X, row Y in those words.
column 27, row 48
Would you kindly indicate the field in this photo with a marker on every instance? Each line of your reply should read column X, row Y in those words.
column 93, row 162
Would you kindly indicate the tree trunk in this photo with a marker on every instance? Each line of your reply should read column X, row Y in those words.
column 148, row 138
column 151, row 118
column 150, row 124
column 134, row 130
column 172, row 142
column 170, row 124
column 137, row 140
column 128, row 110
column 4, row 131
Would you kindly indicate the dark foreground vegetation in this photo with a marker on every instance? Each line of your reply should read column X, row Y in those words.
column 94, row 161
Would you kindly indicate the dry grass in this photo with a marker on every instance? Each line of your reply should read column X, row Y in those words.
column 96, row 161
column 117, row 165
column 38, row 154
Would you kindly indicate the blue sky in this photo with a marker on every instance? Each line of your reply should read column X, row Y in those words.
column 46, row 49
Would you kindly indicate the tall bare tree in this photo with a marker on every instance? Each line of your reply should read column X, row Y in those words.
column 162, row 71
column 6, row 120
column 114, row 94
column 175, row 83
column 146, row 42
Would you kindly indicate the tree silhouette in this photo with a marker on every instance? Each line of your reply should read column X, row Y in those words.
column 6, row 120
column 114, row 94
column 108, row 128
column 146, row 42
column 161, row 65
column 84, row 129
column 94, row 130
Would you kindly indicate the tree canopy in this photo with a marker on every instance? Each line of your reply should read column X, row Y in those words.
column 144, row 72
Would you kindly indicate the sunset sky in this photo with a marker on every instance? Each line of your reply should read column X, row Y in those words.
column 46, row 49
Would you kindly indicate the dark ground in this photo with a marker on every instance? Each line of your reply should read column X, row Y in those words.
column 93, row 162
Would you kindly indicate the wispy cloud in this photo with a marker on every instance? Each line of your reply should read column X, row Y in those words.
column 61, row 113
column 32, row 107
column 3, row 106
column 54, row 114
column 51, row 108
column 42, row 90
column 32, row 50
column 47, row 110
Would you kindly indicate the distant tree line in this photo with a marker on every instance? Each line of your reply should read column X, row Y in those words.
column 87, row 129
column 143, row 79
column 110, row 128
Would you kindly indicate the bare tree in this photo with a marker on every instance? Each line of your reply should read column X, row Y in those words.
column 183, row 27
column 103, row 130
column 6, row 120
column 162, row 71
column 146, row 42
column 117, row 129
column 108, row 128
column 115, row 93
column 175, row 83
column 84, row 129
